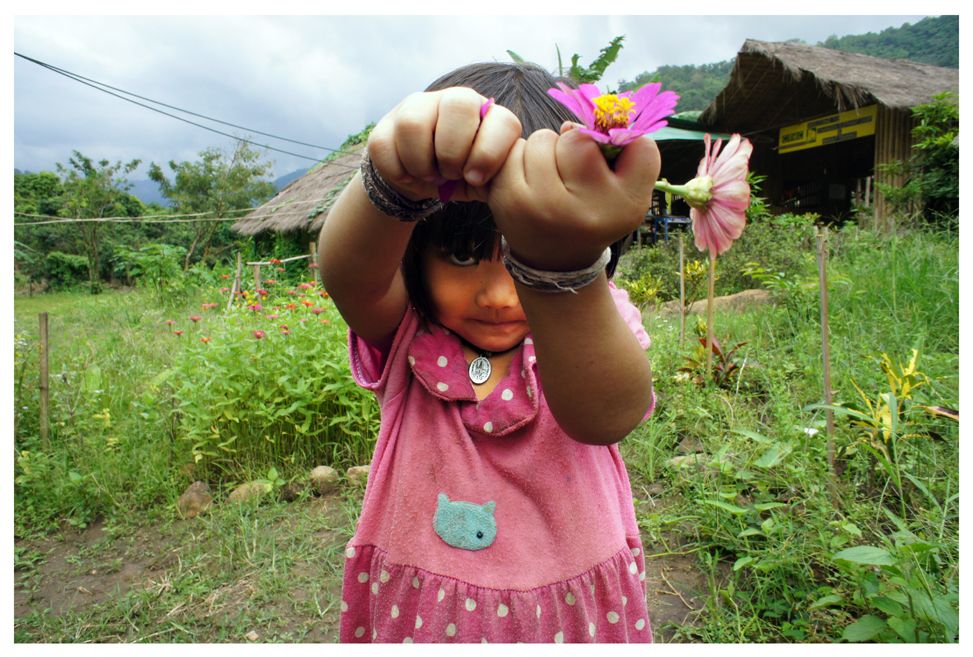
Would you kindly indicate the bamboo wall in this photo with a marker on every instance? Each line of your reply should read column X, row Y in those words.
column 893, row 141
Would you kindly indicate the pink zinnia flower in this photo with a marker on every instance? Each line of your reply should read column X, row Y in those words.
column 615, row 120
column 722, row 177
column 317, row 311
column 194, row 318
column 178, row 332
column 259, row 334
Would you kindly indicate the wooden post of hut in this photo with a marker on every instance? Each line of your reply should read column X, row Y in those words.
column 893, row 143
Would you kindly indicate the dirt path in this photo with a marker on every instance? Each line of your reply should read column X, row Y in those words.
column 67, row 575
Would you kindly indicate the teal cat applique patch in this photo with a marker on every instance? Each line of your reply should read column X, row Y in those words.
column 465, row 525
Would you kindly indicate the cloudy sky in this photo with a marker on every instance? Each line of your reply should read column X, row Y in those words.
column 316, row 78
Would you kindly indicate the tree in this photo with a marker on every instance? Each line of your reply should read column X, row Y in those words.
column 93, row 191
column 216, row 184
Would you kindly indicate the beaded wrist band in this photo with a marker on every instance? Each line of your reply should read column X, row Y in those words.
column 388, row 200
column 553, row 281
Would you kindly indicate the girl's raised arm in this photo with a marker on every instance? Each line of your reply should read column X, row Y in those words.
column 427, row 139
column 559, row 205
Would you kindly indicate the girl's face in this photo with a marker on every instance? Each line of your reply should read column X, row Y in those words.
column 476, row 299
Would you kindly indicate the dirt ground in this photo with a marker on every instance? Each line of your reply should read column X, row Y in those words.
column 56, row 583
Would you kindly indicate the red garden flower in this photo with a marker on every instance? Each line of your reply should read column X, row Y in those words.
column 194, row 318
column 259, row 334
column 317, row 311
column 178, row 331
column 205, row 339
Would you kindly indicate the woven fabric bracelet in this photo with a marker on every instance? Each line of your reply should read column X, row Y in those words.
column 388, row 200
column 553, row 281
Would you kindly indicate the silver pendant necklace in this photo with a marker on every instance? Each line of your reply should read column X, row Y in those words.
column 480, row 369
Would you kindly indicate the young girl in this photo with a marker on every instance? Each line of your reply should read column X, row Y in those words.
column 507, row 367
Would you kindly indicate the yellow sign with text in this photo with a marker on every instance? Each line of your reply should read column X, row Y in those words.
column 829, row 129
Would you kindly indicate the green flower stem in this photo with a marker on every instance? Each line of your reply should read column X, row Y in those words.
column 709, row 315
column 697, row 192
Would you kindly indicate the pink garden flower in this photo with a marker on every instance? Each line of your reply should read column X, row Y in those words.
column 317, row 311
column 722, row 176
column 194, row 318
column 178, row 332
column 614, row 120
column 259, row 334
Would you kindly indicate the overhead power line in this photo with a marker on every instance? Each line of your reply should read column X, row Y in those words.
column 104, row 88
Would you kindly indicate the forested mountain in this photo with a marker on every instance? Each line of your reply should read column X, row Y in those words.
column 931, row 40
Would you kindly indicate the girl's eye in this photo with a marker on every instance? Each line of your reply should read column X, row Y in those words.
column 468, row 261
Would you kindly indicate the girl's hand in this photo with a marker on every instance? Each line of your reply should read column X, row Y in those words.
column 559, row 203
column 432, row 137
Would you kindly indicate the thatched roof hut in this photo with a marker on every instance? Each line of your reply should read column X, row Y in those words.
column 780, row 85
column 303, row 205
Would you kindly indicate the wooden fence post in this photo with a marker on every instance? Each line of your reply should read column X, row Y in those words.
column 44, row 385
column 256, row 277
column 822, row 237
column 682, row 294
column 236, row 282
column 314, row 262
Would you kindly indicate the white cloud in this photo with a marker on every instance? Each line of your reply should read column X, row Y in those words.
column 316, row 78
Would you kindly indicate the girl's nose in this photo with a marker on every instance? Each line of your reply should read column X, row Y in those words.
column 497, row 288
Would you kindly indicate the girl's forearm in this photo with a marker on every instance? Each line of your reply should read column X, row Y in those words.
column 359, row 254
column 596, row 377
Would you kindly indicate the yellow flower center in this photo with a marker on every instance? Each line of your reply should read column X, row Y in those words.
column 612, row 111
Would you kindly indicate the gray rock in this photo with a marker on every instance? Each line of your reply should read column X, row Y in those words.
column 358, row 475
column 194, row 500
column 251, row 490
column 325, row 480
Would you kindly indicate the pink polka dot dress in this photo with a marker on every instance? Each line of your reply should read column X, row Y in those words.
column 482, row 521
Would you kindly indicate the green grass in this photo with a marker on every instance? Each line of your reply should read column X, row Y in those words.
column 773, row 574
column 761, row 513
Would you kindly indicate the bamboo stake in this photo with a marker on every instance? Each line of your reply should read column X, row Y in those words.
column 682, row 293
column 822, row 237
column 44, row 384
column 313, row 248
column 236, row 282
column 709, row 314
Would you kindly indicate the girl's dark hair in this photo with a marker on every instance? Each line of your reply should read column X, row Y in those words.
column 467, row 229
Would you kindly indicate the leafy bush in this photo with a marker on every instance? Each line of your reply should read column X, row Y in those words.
column 270, row 383
column 64, row 270
column 776, row 243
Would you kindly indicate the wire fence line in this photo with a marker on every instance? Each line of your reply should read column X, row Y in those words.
column 46, row 219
